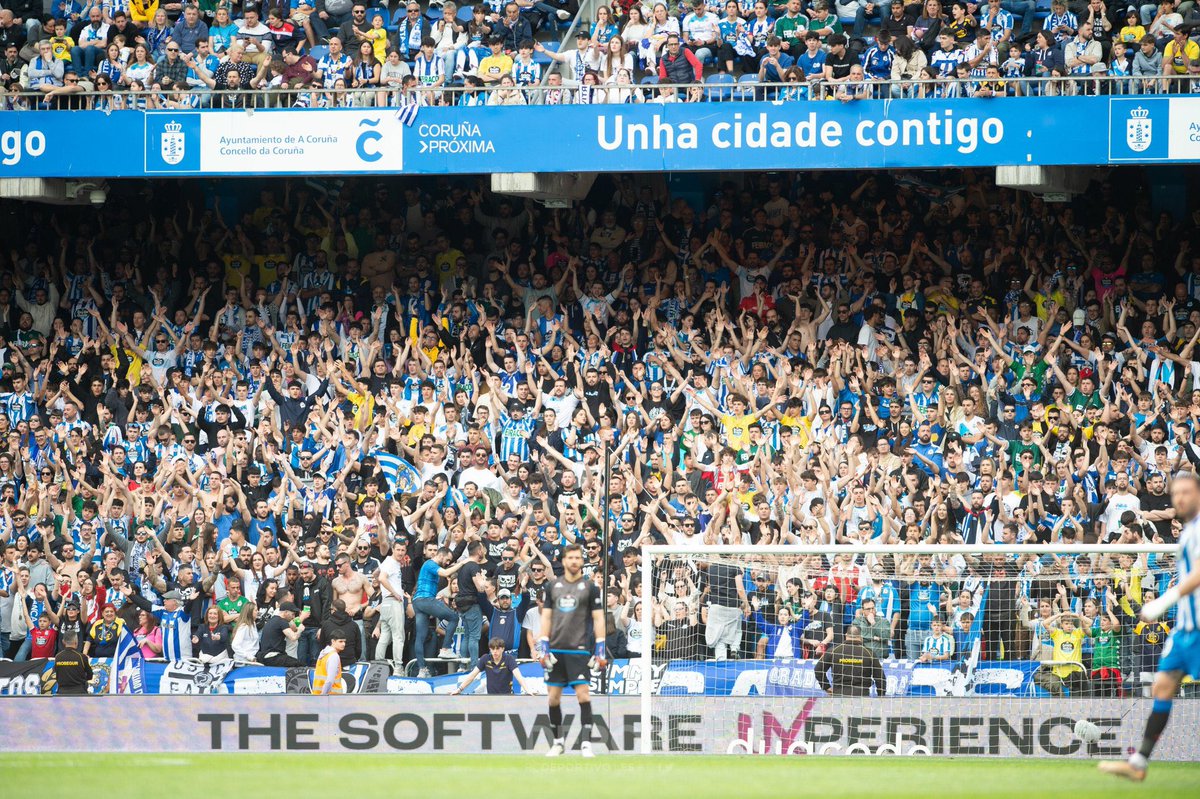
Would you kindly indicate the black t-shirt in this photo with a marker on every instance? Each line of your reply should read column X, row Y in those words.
column 467, row 595
column 272, row 640
column 896, row 27
column 1151, row 502
column 494, row 550
column 722, row 581
column 844, row 331
column 840, row 65
column 506, row 577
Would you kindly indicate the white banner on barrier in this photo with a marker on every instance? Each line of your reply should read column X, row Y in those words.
column 510, row 725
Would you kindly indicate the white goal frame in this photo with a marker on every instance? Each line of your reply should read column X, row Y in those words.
column 655, row 551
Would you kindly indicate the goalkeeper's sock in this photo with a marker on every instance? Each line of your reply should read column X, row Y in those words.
column 585, row 720
column 1160, row 712
column 556, row 722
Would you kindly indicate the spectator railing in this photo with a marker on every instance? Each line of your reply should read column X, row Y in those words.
column 605, row 94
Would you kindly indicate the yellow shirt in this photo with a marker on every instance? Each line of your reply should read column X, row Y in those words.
column 1133, row 581
column 268, row 267
column 378, row 37
column 134, row 375
column 494, row 67
column 415, row 433
column 1132, row 34
column 737, row 430
column 142, row 11
column 61, row 47
column 1068, row 650
column 1172, row 57
column 237, row 269
column 801, row 427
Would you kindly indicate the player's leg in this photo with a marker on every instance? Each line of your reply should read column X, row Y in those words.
column 554, row 695
column 584, row 696
column 1166, row 686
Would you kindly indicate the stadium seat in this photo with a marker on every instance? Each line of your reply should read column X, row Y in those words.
column 649, row 80
column 747, row 86
column 318, row 52
column 723, row 84
column 1041, row 10
column 377, row 11
column 542, row 58
column 464, row 13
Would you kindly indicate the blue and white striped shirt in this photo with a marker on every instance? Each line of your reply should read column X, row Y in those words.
column 1187, row 616
column 938, row 645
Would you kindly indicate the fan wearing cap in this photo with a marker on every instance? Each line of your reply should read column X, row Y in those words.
column 1027, row 364
column 173, row 619
column 516, row 426
column 295, row 407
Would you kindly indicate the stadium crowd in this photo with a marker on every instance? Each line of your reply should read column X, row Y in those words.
column 380, row 410
column 331, row 53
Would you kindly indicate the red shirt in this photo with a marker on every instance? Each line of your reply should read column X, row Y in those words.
column 44, row 642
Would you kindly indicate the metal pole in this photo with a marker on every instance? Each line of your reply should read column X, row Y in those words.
column 604, row 549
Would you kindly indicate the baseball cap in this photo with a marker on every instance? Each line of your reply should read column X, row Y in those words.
column 1079, row 317
column 288, row 606
column 502, row 593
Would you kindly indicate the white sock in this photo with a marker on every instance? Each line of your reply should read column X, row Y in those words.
column 1138, row 761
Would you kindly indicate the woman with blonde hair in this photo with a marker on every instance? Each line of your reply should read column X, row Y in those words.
column 245, row 633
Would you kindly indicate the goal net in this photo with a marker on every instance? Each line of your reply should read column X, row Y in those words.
column 1007, row 650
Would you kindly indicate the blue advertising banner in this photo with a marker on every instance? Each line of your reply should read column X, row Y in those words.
column 617, row 138
column 794, row 678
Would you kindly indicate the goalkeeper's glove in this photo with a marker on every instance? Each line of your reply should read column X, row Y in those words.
column 599, row 657
column 1155, row 608
column 542, row 651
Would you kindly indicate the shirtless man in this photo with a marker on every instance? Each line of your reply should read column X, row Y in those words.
column 351, row 587
column 68, row 565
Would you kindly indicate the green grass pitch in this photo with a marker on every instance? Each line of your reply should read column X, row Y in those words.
column 232, row 776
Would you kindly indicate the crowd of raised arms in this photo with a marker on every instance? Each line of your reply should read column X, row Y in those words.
column 325, row 400
column 336, row 53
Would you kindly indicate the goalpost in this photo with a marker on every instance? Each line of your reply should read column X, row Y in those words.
column 984, row 650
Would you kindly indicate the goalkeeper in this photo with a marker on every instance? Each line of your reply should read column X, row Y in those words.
column 572, row 618
column 854, row 668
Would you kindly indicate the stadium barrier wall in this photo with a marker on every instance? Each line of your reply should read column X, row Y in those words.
column 619, row 138
column 512, row 725
column 624, row 678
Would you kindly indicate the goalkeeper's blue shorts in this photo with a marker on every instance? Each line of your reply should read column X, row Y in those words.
column 1182, row 653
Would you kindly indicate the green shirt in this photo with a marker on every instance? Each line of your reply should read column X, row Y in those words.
column 228, row 605
column 1037, row 371
column 1106, row 652
column 792, row 30
column 830, row 21
column 1015, row 448
column 1078, row 400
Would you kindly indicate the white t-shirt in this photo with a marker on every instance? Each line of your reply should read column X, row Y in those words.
column 390, row 570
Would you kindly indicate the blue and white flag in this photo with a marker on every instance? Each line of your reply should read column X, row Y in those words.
column 401, row 475
column 408, row 112
column 127, row 675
